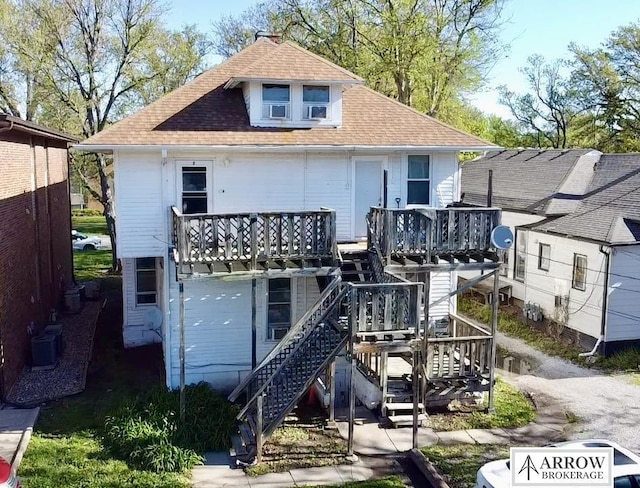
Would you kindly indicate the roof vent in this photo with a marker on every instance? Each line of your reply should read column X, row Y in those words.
column 272, row 36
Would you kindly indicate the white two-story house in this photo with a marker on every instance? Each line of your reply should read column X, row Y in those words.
column 275, row 149
column 576, row 218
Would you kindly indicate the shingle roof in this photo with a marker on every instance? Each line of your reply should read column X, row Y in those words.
column 610, row 210
column 525, row 180
column 288, row 61
column 202, row 112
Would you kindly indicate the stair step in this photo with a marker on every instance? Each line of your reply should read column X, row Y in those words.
column 238, row 448
column 247, row 434
column 252, row 423
column 403, row 420
column 402, row 406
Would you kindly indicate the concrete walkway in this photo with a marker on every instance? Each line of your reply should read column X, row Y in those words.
column 378, row 450
column 16, row 426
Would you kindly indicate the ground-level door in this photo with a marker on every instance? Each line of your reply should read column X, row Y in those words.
column 367, row 190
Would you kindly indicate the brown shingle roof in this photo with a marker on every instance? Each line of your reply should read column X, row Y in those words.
column 202, row 112
column 291, row 62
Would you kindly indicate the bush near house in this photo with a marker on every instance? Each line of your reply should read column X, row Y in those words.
column 149, row 435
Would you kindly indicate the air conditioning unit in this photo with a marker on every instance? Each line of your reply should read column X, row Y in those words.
column 316, row 111
column 532, row 311
column 277, row 111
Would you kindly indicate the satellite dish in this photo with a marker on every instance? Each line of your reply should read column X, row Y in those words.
column 502, row 237
column 153, row 318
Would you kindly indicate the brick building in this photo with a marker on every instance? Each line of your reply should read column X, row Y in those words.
column 36, row 261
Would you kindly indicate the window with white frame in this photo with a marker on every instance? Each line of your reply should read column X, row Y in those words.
column 418, row 184
column 544, row 256
column 194, row 189
column 278, row 308
column 315, row 102
column 521, row 256
column 579, row 281
column 275, row 101
column 146, row 284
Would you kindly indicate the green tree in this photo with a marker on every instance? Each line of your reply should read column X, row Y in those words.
column 80, row 64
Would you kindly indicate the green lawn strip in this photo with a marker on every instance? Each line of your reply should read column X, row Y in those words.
column 460, row 464
column 93, row 225
column 293, row 447
column 509, row 322
column 91, row 265
column 512, row 409
column 390, row 482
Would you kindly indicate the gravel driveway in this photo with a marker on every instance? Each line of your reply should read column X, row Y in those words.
column 608, row 405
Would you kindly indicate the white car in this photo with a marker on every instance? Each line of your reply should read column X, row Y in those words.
column 8, row 478
column 626, row 466
column 83, row 242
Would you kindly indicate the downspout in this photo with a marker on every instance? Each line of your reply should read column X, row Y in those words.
column 2, row 384
column 605, row 303
column 73, row 269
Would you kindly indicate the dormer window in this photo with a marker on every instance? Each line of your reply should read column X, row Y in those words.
column 275, row 101
column 315, row 102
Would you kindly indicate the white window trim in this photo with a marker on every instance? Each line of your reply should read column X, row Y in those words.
column 191, row 162
column 288, row 105
column 135, row 281
column 406, row 180
column 541, row 258
column 576, row 256
column 294, row 299
column 518, row 236
column 306, row 105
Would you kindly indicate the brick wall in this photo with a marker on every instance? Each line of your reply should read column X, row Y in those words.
column 35, row 255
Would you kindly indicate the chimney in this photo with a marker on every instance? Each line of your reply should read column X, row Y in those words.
column 272, row 36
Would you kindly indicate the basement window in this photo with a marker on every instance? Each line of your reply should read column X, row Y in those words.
column 279, row 308
column 579, row 281
column 146, row 284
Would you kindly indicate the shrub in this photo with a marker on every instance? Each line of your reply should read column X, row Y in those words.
column 86, row 212
column 148, row 433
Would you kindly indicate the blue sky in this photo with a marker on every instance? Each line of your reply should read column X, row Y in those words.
column 531, row 26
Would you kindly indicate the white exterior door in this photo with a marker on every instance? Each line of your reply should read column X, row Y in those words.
column 367, row 190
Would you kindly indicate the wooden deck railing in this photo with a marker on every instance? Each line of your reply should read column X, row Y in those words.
column 427, row 232
column 387, row 307
column 254, row 238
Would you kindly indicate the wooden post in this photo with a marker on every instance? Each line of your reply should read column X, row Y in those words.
column 352, row 380
column 416, row 396
column 253, row 247
column 332, row 391
column 494, row 329
column 254, row 301
column 182, row 354
column 384, row 380
column 259, row 427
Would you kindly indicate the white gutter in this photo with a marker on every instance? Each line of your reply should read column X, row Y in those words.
column 281, row 148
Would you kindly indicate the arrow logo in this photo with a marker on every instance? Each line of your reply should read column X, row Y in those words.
column 529, row 466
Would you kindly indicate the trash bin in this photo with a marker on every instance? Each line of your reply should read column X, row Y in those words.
column 43, row 351
column 56, row 331
column 72, row 301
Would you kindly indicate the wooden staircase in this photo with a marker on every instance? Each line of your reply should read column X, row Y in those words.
column 356, row 267
column 277, row 384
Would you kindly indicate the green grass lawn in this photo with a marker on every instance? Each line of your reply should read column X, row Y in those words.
column 460, row 464
column 91, row 265
column 390, row 482
column 512, row 409
column 90, row 225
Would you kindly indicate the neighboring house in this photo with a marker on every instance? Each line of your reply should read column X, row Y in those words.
column 576, row 219
column 35, row 236
column 235, row 195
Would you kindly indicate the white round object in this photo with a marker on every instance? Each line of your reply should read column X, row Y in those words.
column 153, row 318
column 502, row 237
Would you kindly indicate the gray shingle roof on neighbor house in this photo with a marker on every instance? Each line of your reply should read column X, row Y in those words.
column 610, row 209
column 523, row 180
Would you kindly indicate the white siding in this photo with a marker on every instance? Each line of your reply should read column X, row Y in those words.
column 585, row 307
column 217, row 331
column 140, row 223
column 138, row 326
column 441, row 285
column 623, row 310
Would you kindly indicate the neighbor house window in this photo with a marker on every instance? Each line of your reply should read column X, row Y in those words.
column 275, row 101
column 544, row 257
column 418, row 185
column 315, row 102
column 504, row 269
column 579, row 272
column 279, row 308
column 521, row 256
column 146, row 287
column 194, row 189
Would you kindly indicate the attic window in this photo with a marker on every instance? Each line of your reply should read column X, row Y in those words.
column 315, row 102
column 275, row 101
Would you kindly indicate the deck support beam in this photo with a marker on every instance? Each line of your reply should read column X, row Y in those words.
column 259, row 428
column 182, row 353
column 495, row 300
column 416, row 396
column 332, row 390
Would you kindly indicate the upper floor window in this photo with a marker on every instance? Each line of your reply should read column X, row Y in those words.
column 418, row 184
column 275, row 101
column 194, row 189
column 544, row 257
column 315, row 102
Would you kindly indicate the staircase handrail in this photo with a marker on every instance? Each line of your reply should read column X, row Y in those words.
column 294, row 331
column 342, row 291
